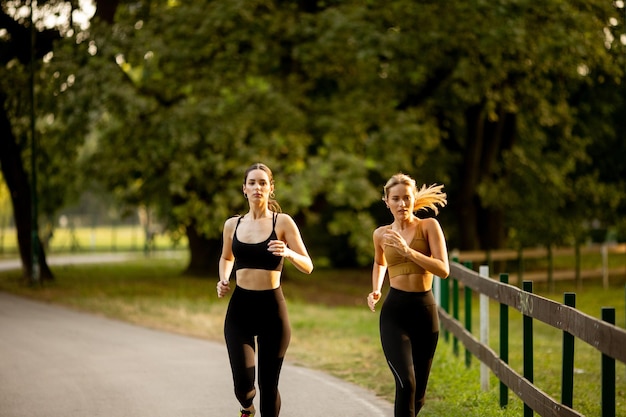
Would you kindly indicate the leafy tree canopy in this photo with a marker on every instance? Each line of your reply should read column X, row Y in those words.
column 512, row 105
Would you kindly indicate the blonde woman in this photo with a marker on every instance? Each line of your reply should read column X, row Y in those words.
column 255, row 246
column 411, row 249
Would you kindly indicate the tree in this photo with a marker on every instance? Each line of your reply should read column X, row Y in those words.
column 501, row 82
column 57, row 150
column 180, row 121
column 171, row 102
column 411, row 86
column 15, row 104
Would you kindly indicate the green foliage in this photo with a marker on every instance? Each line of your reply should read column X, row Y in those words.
column 185, row 119
column 513, row 105
column 5, row 214
column 59, row 131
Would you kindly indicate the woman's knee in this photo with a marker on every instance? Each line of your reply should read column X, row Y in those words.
column 245, row 395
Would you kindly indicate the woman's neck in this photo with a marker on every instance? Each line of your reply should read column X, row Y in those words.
column 258, row 212
column 404, row 224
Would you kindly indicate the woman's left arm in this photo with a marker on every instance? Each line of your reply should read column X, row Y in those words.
column 291, row 246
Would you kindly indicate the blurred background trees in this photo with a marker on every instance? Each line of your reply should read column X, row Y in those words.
column 516, row 106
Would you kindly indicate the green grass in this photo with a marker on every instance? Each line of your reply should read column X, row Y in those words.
column 587, row 261
column 93, row 239
column 333, row 330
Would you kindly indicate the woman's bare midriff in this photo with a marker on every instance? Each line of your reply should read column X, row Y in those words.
column 258, row 279
column 412, row 282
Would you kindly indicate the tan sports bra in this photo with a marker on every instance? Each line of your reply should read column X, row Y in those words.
column 398, row 264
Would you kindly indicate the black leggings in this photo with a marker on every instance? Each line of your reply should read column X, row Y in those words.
column 262, row 314
column 409, row 331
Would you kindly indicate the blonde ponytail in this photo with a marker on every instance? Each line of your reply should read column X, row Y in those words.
column 430, row 197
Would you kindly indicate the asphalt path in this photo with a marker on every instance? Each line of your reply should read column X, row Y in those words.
column 58, row 362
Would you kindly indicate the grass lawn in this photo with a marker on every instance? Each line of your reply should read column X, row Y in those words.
column 333, row 330
column 94, row 239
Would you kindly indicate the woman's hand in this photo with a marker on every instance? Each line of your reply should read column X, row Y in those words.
column 372, row 299
column 222, row 288
column 279, row 248
column 395, row 239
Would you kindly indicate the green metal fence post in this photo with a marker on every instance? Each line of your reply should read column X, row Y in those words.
column 468, row 321
column 528, row 343
column 608, row 372
column 445, row 302
column 567, row 375
column 504, row 343
column 455, row 313
column 445, row 299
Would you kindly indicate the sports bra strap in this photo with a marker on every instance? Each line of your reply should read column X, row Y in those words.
column 274, row 220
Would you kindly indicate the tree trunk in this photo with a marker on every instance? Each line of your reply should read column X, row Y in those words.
column 105, row 10
column 482, row 227
column 204, row 254
column 493, row 231
column 16, row 179
column 468, row 204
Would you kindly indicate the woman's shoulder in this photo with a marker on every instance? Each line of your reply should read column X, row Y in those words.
column 379, row 231
column 283, row 219
column 429, row 224
column 231, row 221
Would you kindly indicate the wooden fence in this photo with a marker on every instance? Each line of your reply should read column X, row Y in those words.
column 520, row 257
column 603, row 335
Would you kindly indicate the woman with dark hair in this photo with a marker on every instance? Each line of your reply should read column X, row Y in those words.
column 411, row 250
column 255, row 246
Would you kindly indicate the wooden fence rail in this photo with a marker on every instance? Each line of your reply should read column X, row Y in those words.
column 534, row 253
column 519, row 272
column 603, row 336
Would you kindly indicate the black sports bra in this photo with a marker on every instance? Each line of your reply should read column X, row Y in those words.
column 256, row 255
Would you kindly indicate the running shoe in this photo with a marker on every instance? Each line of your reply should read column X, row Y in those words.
column 247, row 413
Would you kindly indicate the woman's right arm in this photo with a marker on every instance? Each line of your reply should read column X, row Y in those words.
column 227, row 259
column 378, row 270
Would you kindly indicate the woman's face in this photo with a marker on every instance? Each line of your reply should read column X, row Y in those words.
column 257, row 186
column 401, row 201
